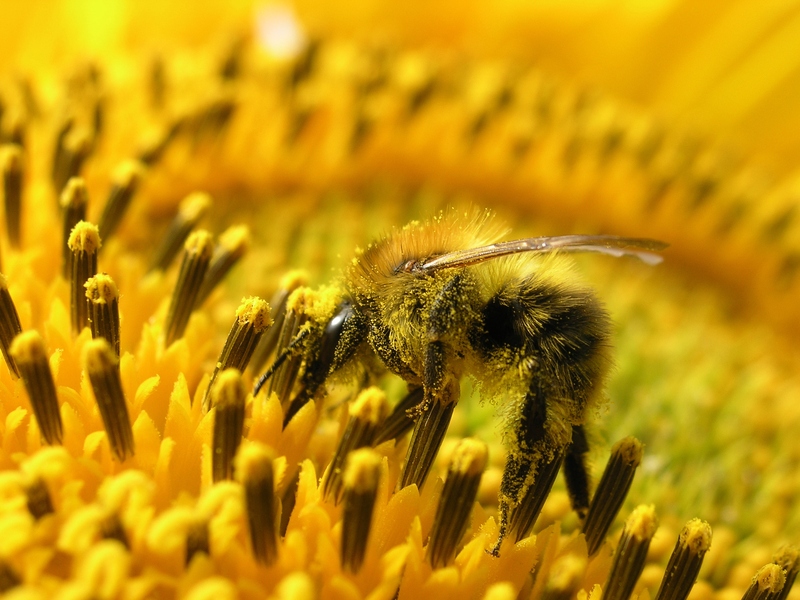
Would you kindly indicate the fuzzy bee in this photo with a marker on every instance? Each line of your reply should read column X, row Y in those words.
column 439, row 300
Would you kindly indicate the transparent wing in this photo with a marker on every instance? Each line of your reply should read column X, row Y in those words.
column 641, row 248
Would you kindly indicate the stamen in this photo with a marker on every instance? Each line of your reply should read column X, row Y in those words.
column 126, row 181
column 269, row 342
column 287, row 363
column 767, row 584
column 523, row 516
column 197, row 540
column 566, row 577
column 84, row 242
column 401, row 419
column 367, row 413
column 8, row 577
column 12, row 190
column 59, row 151
column 456, row 502
column 361, row 478
column 29, row 354
column 232, row 245
column 102, row 367
column 253, row 466
column 626, row 455
column 190, row 211
column 103, row 296
column 74, row 201
column 252, row 321
column 39, row 503
column 111, row 529
column 9, row 324
column 631, row 553
column 228, row 398
column 788, row 559
column 75, row 151
column 427, row 438
column 685, row 561
column 196, row 257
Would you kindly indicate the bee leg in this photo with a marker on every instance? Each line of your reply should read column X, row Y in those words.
column 576, row 472
column 342, row 336
column 530, row 471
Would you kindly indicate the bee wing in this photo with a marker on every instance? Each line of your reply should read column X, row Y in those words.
column 641, row 248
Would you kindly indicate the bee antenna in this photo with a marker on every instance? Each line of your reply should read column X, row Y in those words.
column 280, row 359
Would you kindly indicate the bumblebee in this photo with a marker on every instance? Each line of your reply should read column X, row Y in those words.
column 439, row 300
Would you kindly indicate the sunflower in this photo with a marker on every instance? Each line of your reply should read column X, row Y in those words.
column 183, row 185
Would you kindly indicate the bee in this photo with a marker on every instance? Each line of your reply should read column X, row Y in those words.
column 436, row 301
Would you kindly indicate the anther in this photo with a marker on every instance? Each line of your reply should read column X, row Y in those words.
column 367, row 413
column 631, row 553
column 253, row 466
column 788, row 559
column 196, row 258
column 290, row 282
column 456, row 502
column 565, row 578
column 523, row 516
column 30, row 356
column 9, row 324
column 768, row 583
column 197, row 540
column 126, row 181
column 252, row 321
column 685, row 561
column 361, row 478
column 228, row 398
column 11, row 159
column 111, row 529
column 84, row 243
column 190, row 211
column 401, row 419
column 427, row 438
column 625, row 457
column 59, row 151
column 74, row 201
column 103, row 296
column 38, row 499
column 102, row 367
column 232, row 245
column 289, row 359
column 75, row 151
column 8, row 577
